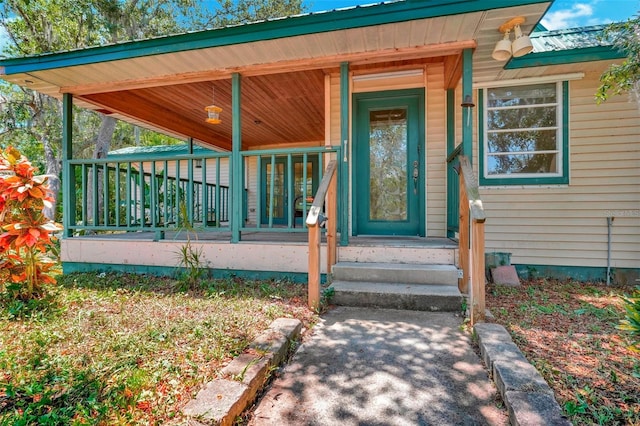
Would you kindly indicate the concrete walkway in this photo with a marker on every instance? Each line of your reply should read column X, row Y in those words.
column 365, row 366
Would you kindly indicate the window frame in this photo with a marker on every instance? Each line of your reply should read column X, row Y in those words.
column 560, row 178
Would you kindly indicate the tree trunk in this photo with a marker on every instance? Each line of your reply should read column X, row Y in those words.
column 105, row 133
column 52, row 162
column 53, row 170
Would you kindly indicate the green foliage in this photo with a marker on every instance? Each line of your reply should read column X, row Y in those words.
column 327, row 295
column 127, row 349
column 236, row 11
column 624, row 77
column 32, row 122
column 631, row 323
column 189, row 257
column 25, row 233
column 192, row 260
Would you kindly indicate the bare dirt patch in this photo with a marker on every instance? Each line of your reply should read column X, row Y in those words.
column 567, row 330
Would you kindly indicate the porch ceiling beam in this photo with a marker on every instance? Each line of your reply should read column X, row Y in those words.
column 358, row 58
column 452, row 71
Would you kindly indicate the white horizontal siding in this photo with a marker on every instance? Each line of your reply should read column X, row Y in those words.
column 436, row 147
column 567, row 225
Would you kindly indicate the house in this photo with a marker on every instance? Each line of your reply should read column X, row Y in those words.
column 394, row 93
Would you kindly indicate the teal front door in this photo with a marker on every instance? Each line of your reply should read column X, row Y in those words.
column 388, row 179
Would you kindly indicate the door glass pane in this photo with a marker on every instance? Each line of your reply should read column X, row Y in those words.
column 278, row 190
column 300, row 184
column 388, row 164
column 299, row 181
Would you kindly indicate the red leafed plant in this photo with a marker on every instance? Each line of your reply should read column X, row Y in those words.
column 25, row 232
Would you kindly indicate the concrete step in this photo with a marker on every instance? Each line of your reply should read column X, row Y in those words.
column 396, row 273
column 416, row 297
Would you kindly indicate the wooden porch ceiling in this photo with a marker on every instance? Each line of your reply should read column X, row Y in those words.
column 277, row 108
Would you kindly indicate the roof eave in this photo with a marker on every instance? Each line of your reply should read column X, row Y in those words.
column 267, row 30
column 562, row 57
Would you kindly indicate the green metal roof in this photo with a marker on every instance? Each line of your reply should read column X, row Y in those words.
column 568, row 46
column 339, row 19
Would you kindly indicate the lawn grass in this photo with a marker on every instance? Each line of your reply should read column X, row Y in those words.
column 128, row 349
column 568, row 331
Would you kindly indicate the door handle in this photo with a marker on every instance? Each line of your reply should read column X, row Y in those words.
column 416, row 174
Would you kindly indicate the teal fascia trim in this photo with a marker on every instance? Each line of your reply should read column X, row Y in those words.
column 467, row 113
column 577, row 273
column 556, row 180
column 356, row 17
column 561, row 57
column 566, row 170
column 236, row 159
column 172, row 271
column 481, row 121
column 68, row 178
column 343, row 205
column 451, row 121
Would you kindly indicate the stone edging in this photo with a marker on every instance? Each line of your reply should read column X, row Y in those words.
column 225, row 398
column 527, row 396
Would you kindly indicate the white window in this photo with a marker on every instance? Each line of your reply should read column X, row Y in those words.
column 524, row 138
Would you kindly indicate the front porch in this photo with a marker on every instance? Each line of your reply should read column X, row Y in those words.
column 259, row 254
column 384, row 93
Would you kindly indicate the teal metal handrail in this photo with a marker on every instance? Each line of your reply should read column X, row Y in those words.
column 276, row 194
column 161, row 193
column 151, row 194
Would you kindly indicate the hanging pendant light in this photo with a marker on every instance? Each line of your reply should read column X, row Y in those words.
column 213, row 111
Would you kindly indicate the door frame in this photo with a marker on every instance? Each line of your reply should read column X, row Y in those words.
column 287, row 185
column 415, row 94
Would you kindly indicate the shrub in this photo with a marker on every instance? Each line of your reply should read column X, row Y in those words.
column 631, row 323
column 25, row 232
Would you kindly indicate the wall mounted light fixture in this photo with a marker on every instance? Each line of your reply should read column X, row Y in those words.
column 521, row 44
column 467, row 103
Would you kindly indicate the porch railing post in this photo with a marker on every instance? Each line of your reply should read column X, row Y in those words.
column 463, row 241
column 332, row 214
column 467, row 113
column 477, row 273
column 314, row 266
column 343, row 170
column 68, row 174
column 236, row 160
column 472, row 218
column 313, row 221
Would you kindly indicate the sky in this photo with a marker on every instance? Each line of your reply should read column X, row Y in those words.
column 563, row 13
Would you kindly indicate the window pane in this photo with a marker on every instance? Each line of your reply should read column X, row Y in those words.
column 522, row 118
column 534, row 94
column 534, row 140
column 388, row 164
column 278, row 190
column 521, row 163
